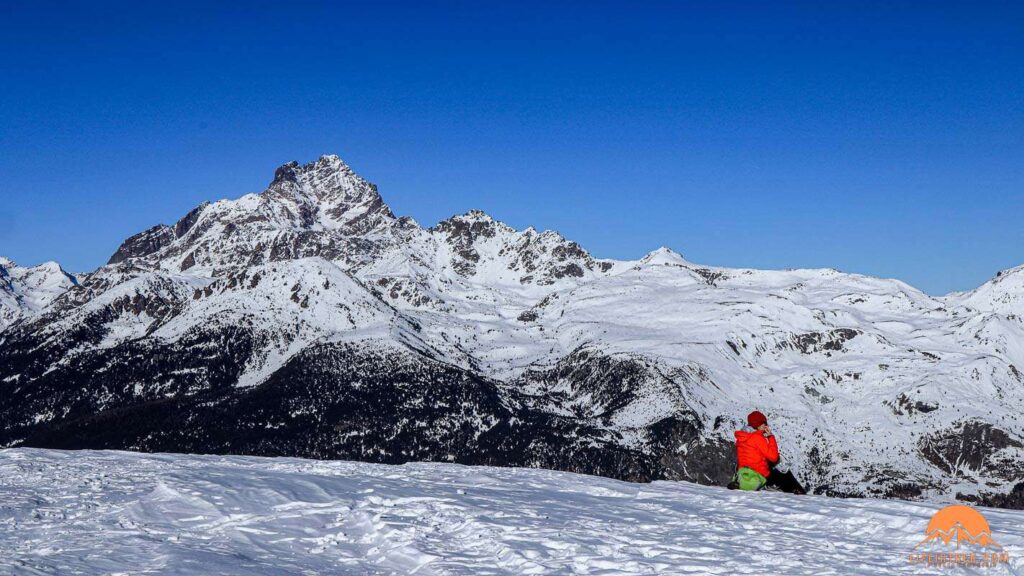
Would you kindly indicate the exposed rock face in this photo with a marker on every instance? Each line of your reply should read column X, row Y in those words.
column 309, row 320
column 822, row 342
column 187, row 221
column 144, row 243
column 974, row 449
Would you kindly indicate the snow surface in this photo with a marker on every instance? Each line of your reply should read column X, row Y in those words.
column 96, row 512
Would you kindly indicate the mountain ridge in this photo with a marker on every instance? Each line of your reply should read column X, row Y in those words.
column 634, row 369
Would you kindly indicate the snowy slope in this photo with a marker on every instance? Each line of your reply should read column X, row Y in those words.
column 1003, row 294
column 126, row 513
column 311, row 320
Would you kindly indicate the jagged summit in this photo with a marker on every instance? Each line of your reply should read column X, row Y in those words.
column 328, row 179
column 323, row 208
column 330, row 194
column 294, row 172
column 474, row 214
column 476, row 219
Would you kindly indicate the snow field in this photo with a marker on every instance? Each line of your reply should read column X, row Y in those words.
column 96, row 512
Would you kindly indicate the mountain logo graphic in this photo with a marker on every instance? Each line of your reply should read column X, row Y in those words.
column 959, row 525
column 958, row 535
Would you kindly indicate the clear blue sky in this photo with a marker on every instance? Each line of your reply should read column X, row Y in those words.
column 883, row 138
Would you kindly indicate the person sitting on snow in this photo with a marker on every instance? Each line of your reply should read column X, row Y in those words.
column 757, row 454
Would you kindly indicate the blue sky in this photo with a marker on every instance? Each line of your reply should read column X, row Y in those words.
column 880, row 138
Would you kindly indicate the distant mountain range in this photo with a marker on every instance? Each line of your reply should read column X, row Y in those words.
column 309, row 320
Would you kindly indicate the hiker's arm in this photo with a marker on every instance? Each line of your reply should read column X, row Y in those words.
column 771, row 450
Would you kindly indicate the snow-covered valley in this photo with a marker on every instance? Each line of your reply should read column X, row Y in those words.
column 100, row 512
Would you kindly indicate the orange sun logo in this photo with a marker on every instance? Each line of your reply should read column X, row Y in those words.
column 959, row 524
column 958, row 535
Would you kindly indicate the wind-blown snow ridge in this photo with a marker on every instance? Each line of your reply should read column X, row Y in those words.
column 113, row 512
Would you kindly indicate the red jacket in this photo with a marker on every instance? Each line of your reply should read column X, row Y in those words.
column 754, row 451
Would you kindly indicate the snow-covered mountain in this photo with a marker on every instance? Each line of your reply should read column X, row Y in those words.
column 26, row 291
column 122, row 513
column 309, row 320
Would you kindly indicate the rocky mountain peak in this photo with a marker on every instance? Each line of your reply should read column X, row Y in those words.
column 470, row 226
column 286, row 173
column 328, row 193
column 313, row 209
column 294, row 172
column 320, row 179
column 475, row 215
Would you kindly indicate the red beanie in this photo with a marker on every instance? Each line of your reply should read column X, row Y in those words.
column 755, row 419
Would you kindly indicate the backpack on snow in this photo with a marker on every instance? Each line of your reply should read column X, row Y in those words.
column 749, row 479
